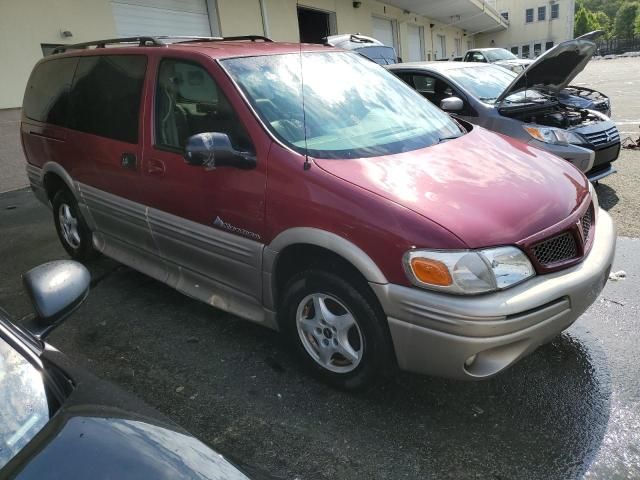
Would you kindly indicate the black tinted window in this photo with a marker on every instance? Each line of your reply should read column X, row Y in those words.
column 188, row 102
column 47, row 96
column 106, row 93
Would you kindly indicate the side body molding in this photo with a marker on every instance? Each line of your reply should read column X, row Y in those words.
column 320, row 238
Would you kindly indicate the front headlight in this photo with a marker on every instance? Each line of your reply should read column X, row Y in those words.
column 467, row 272
column 555, row 136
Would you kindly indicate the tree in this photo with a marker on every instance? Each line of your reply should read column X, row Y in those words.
column 638, row 22
column 603, row 22
column 625, row 20
column 586, row 21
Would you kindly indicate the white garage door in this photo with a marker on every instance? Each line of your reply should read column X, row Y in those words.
column 384, row 30
column 161, row 17
column 415, row 53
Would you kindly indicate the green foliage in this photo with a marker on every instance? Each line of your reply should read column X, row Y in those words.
column 609, row 7
column 638, row 22
column 587, row 21
column 625, row 20
column 584, row 22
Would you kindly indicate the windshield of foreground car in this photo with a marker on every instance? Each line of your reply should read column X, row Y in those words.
column 487, row 83
column 499, row 54
column 24, row 409
column 353, row 108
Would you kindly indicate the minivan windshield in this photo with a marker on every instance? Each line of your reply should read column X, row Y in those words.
column 499, row 54
column 351, row 107
column 487, row 83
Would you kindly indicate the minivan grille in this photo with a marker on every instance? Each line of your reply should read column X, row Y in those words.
column 556, row 249
column 603, row 137
column 563, row 247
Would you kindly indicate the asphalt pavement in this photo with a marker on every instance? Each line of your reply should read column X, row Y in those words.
column 569, row 410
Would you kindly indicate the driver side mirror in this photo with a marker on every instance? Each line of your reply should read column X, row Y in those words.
column 56, row 289
column 214, row 149
column 452, row 104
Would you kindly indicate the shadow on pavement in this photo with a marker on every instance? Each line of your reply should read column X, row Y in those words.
column 607, row 196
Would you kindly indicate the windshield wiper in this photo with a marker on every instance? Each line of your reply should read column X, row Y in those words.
column 452, row 137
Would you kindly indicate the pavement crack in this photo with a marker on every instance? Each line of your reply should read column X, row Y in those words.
column 613, row 301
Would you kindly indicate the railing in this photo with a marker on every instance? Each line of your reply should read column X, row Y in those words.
column 617, row 46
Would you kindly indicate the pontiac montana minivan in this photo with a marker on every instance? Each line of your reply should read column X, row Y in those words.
column 270, row 181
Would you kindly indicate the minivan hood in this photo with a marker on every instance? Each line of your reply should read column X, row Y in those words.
column 554, row 69
column 485, row 188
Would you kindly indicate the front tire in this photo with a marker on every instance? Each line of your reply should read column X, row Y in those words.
column 337, row 329
column 73, row 232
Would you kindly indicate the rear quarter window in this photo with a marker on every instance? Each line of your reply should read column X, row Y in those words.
column 106, row 95
column 46, row 98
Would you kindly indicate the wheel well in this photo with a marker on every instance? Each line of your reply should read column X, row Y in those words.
column 53, row 184
column 299, row 257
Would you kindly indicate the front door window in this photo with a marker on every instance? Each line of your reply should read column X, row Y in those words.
column 188, row 102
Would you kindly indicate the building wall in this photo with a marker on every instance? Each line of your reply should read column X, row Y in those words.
column 522, row 33
column 26, row 24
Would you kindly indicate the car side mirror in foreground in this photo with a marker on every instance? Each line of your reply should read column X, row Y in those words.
column 56, row 289
column 452, row 104
column 214, row 149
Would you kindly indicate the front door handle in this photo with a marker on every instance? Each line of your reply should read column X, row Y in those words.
column 155, row 167
column 128, row 160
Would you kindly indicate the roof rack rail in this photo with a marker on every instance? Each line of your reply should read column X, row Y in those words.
column 141, row 41
column 251, row 38
column 156, row 41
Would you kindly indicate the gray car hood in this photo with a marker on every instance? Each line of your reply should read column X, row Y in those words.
column 554, row 69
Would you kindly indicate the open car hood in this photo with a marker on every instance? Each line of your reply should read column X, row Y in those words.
column 555, row 68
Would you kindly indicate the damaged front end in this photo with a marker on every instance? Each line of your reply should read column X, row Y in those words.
column 585, row 98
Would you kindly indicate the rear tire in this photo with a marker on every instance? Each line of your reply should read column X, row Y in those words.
column 73, row 232
column 338, row 330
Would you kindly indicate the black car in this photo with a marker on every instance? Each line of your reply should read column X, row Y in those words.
column 60, row 422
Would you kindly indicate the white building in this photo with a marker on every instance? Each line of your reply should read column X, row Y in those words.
column 534, row 26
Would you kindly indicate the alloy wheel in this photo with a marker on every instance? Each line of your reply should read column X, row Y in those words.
column 329, row 332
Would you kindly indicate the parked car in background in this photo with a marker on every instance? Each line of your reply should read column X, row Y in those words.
column 367, row 46
column 497, row 56
column 534, row 106
column 59, row 421
column 311, row 191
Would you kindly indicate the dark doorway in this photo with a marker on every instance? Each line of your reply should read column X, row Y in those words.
column 314, row 25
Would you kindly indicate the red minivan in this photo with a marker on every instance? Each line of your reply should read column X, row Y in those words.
column 307, row 189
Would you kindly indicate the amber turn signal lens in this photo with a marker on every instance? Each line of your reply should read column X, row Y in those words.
column 432, row 272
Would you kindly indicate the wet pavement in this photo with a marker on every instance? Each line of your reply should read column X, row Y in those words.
column 569, row 410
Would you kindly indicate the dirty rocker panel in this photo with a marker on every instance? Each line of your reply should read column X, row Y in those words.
column 216, row 267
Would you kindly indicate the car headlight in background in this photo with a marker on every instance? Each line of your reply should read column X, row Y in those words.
column 467, row 272
column 555, row 136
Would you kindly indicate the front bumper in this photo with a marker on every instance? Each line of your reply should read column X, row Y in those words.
column 435, row 333
column 581, row 157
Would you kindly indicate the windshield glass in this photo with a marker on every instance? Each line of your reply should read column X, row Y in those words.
column 23, row 400
column 352, row 107
column 488, row 82
column 499, row 54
